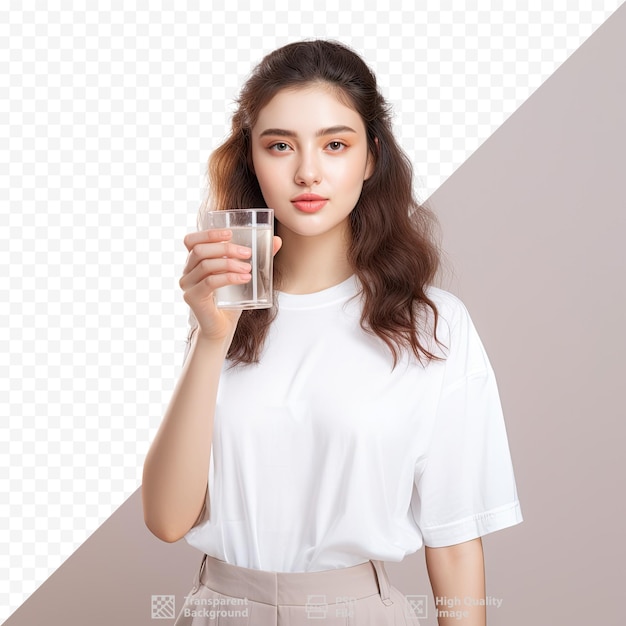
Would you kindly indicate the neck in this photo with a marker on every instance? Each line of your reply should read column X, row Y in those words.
column 310, row 264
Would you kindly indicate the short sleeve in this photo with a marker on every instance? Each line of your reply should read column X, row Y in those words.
column 465, row 485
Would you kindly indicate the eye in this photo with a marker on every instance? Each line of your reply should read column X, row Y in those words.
column 336, row 146
column 280, row 146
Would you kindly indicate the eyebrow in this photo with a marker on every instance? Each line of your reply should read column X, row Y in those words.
column 332, row 130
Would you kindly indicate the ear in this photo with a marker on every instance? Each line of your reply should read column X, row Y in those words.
column 370, row 164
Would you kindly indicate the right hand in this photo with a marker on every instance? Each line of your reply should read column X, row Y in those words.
column 214, row 262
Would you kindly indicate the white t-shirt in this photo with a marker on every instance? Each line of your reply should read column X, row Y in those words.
column 324, row 456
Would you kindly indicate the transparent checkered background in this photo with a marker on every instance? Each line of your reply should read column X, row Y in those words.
column 108, row 114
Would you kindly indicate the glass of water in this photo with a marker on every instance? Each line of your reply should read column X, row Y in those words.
column 253, row 228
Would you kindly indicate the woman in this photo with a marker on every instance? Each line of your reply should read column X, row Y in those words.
column 356, row 420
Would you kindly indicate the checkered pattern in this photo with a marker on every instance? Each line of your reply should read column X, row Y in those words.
column 108, row 116
column 163, row 607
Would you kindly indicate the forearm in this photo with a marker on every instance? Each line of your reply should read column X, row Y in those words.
column 457, row 578
column 175, row 471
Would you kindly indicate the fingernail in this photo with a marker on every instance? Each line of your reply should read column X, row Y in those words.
column 245, row 251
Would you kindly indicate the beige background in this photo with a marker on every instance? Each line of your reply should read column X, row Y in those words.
column 534, row 229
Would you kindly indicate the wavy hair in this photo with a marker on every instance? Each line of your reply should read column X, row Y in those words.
column 393, row 250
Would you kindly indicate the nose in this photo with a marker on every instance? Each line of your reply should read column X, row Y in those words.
column 308, row 172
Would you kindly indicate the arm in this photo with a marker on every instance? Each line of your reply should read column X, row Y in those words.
column 457, row 573
column 176, row 468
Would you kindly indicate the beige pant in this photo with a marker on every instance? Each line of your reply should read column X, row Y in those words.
column 228, row 595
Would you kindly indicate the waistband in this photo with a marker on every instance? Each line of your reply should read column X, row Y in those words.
column 294, row 588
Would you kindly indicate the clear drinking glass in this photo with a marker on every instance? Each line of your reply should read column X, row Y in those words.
column 253, row 228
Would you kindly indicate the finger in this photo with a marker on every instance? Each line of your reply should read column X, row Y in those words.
column 203, row 251
column 204, row 236
column 207, row 267
column 208, row 285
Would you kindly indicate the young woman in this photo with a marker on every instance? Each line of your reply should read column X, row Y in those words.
column 356, row 420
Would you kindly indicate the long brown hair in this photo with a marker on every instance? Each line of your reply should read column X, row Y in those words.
column 393, row 250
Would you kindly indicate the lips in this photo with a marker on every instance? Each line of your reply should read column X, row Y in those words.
column 309, row 202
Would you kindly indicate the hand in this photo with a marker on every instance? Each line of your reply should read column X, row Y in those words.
column 214, row 262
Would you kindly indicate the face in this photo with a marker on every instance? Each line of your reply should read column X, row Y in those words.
column 310, row 156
